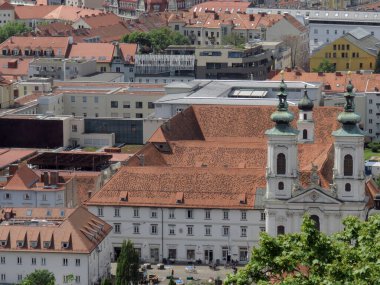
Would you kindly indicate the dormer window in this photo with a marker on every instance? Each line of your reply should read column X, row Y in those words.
column 5, row 51
column 3, row 243
column 46, row 244
column 27, row 52
column 33, row 244
column 65, row 245
column 16, row 51
column 20, row 243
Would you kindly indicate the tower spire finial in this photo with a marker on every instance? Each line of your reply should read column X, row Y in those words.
column 349, row 117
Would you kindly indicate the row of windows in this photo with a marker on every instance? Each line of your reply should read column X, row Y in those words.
column 347, row 164
column 26, row 196
column 65, row 261
column 189, row 214
column 190, row 253
column 115, row 104
column 172, row 230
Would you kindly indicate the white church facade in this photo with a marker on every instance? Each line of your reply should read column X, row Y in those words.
column 213, row 177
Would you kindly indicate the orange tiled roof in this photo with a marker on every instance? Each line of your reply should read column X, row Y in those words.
column 9, row 156
column 214, row 155
column 18, row 70
column 101, row 20
column 335, row 82
column 58, row 44
column 6, row 6
column 240, row 21
column 101, row 52
column 129, row 51
column 82, row 231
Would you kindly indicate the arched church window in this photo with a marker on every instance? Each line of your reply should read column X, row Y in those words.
column 281, row 163
column 280, row 185
column 305, row 116
column 280, row 230
column 315, row 218
column 304, row 134
column 348, row 165
column 347, row 187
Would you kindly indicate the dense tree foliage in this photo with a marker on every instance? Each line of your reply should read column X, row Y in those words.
column 11, row 29
column 127, row 270
column 156, row 40
column 377, row 66
column 39, row 277
column 325, row 66
column 233, row 39
column 313, row 258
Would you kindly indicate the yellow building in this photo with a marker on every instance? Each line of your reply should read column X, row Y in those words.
column 356, row 50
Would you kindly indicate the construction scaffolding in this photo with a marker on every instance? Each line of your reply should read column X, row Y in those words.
column 154, row 64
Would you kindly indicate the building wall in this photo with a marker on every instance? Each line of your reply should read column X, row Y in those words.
column 91, row 266
column 181, row 240
column 150, row 126
column 6, row 16
column 43, row 198
column 6, row 96
column 343, row 59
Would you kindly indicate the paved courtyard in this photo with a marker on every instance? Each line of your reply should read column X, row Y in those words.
column 203, row 274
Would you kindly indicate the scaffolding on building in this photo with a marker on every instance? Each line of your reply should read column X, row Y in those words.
column 151, row 64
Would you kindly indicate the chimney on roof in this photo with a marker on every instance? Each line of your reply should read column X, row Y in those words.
column 195, row 15
column 216, row 16
column 45, row 178
column 12, row 169
column 338, row 73
column 251, row 17
column 298, row 73
column 54, row 178
column 141, row 159
column 89, row 194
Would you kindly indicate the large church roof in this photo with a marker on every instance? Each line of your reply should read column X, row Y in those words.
column 214, row 157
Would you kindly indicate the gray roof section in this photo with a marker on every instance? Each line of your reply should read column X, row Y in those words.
column 363, row 40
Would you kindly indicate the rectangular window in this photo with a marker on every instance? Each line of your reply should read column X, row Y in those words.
column 150, row 105
column 77, row 279
column 172, row 254
column 43, row 261
column 34, row 261
column 72, row 99
column 243, row 254
column 126, row 104
column 189, row 214
column 189, row 230
column 116, row 228
column 171, row 230
column 2, row 260
column 139, row 115
column 139, row 105
column 44, row 198
column 136, row 228
column 262, row 216
column 207, row 230
column 153, row 213
column 136, row 212
column 243, row 215
column 225, row 231
column 153, row 229
column 2, row 277
column 19, row 260
column 77, row 262
column 171, row 214
column 262, row 229
column 74, row 128
column 225, row 215
column 96, row 99
column 114, row 104
column 207, row 214
column 190, row 254
column 100, row 211
column 243, row 231
column 84, row 98
column 117, row 212
column 19, row 277
column 65, row 262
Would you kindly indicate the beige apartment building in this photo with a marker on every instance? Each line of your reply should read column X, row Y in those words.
column 106, row 100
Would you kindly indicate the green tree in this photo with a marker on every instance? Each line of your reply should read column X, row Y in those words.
column 39, row 277
column 127, row 270
column 377, row 66
column 171, row 281
column 156, row 40
column 233, row 39
column 105, row 281
column 325, row 66
column 11, row 29
column 313, row 258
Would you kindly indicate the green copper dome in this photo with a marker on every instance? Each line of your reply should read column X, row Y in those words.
column 305, row 104
column 349, row 117
column 282, row 115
